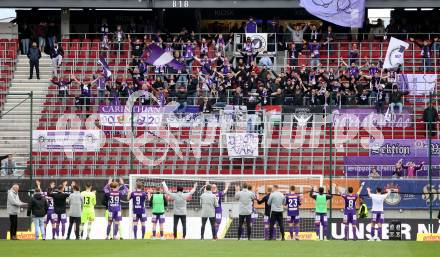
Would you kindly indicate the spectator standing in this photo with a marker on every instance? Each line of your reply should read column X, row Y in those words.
column 56, row 55
column 265, row 60
column 426, row 47
column 41, row 35
column 412, row 168
column 25, row 39
column 298, row 36
column 75, row 208
column 430, row 117
column 374, row 173
column 119, row 38
column 101, row 85
column 251, row 26
column 13, row 209
column 38, row 209
column 51, row 34
column 34, row 56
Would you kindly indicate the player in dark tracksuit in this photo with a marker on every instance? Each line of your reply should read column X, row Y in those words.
column 267, row 210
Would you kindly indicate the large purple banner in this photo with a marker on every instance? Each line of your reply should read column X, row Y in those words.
column 402, row 120
column 361, row 166
column 405, row 148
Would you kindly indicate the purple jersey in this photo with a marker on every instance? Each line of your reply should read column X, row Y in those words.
column 138, row 198
column 219, row 195
column 293, row 201
column 350, row 203
column 50, row 202
column 114, row 200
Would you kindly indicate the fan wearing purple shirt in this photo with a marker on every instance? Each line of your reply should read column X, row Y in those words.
column 350, row 211
column 219, row 210
column 293, row 202
column 138, row 199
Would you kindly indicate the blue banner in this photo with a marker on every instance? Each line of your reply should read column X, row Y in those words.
column 413, row 194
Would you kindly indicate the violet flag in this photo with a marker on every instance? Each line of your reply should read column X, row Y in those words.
column 346, row 13
column 157, row 56
column 105, row 68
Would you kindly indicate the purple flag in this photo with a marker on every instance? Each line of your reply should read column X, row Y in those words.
column 105, row 68
column 346, row 13
column 157, row 56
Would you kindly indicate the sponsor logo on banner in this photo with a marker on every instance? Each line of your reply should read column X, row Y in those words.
column 426, row 237
column 242, row 144
column 66, row 140
column 259, row 41
column 410, row 229
column 144, row 116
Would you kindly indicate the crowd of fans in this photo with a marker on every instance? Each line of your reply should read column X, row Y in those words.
column 213, row 76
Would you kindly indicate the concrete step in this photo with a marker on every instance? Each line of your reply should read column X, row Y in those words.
column 26, row 72
column 24, row 77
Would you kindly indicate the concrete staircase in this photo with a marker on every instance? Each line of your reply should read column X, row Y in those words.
column 15, row 122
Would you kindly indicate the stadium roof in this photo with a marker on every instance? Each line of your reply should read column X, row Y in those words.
column 142, row 4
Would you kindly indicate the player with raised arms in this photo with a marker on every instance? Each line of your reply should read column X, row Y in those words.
column 350, row 211
column 138, row 199
column 377, row 200
column 88, row 211
column 158, row 202
column 321, row 199
column 50, row 215
column 114, row 193
column 219, row 209
column 180, row 200
column 293, row 202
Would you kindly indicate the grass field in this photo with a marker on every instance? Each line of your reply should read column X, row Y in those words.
column 220, row 248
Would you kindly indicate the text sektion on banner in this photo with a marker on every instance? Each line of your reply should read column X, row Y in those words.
column 361, row 166
column 259, row 41
column 66, row 140
column 414, row 193
column 144, row 116
column 417, row 84
column 405, row 148
column 395, row 53
column 242, row 145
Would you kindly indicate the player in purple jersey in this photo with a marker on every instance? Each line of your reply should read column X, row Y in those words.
column 138, row 198
column 293, row 202
column 219, row 210
column 50, row 215
column 350, row 211
column 114, row 194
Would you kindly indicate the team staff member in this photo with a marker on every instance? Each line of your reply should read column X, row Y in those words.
column 180, row 202
column 276, row 201
column 208, row 202
column 76, row 202
column 13, row 208
column 245, row 199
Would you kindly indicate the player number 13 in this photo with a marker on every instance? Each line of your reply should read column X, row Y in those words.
column 180, row 4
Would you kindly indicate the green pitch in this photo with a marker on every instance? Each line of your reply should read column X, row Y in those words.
column 225, row 248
